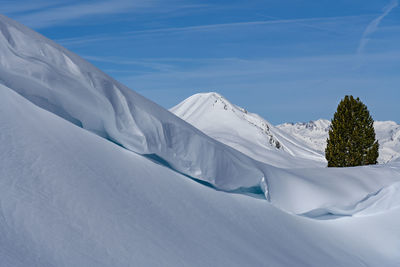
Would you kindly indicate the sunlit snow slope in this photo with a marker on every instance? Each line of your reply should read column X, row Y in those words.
column 315, row 133
column 64, row 84
column 245, row 131
column 71, row 198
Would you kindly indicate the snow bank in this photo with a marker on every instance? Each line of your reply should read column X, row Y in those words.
column 338, row 191
column 66, row 85
column 71, row 198
column 381, row 201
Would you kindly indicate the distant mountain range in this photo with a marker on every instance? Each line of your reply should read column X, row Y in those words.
column 314, row 134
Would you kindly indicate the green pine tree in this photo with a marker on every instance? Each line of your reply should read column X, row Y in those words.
column 351, row 139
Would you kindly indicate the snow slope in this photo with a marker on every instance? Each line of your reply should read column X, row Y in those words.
column 305, row 191
column 245, row 131
column 314, row 134
column 71, row 198
column 64, row 84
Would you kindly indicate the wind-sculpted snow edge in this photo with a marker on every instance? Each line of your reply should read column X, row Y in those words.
column 61, row 82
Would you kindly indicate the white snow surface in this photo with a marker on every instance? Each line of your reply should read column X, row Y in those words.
column 78, row 187
column 71, row 198
column 305, row 191
column 314, row 134
column 68, row 86
column 246, row 132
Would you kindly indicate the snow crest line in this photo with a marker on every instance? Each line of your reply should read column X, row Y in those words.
column 384, row 199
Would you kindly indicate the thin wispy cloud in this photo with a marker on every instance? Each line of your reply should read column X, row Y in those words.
column 373, row 26
column 224, row 72
column 219, row 67
column 83, row 40
column 220, row 26
column 305, row 22
column 10, row 7
column 149, row 64
column 48, row 17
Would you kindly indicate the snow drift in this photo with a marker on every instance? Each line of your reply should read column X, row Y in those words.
column 71, row 198
column 305, row 191
column 64, row 84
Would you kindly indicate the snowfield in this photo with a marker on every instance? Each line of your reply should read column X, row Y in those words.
column 93, row 174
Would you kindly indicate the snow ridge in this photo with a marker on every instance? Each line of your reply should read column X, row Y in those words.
column 61, row 82
column 384, row 199
column 198, row 103
column 79, row 200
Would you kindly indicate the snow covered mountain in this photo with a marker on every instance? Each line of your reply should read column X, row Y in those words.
column 246, row 132
column 388, row 135
column 314, row 134
column 93, row 174
column 286, row 145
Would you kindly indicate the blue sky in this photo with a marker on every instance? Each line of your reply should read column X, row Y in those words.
column 287, row 60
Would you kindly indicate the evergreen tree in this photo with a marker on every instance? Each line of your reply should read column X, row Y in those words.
column 351, row 139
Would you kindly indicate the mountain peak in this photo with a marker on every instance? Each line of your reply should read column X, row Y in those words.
column 207, row 94
column 243, row 130
column 205, row 100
